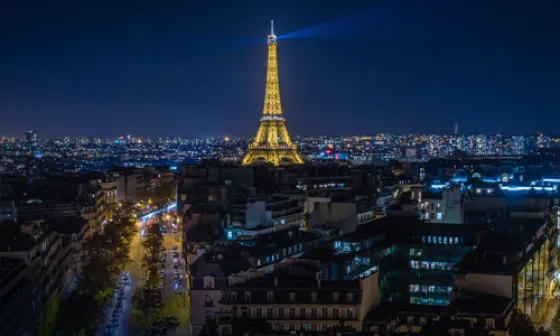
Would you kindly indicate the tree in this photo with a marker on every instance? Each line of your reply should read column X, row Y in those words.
column 147, row 302
column 47, row 320
column 555, row 324
column 521, row 325
column 105, row 258
column 542, row 332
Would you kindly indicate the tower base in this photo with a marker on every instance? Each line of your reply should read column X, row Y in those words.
column 276, row 157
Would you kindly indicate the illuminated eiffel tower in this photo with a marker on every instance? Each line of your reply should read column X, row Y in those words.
column 272, row 143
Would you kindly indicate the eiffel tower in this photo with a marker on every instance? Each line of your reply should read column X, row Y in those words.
column 272, row 143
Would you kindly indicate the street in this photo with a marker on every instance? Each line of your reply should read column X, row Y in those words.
column 174, row 285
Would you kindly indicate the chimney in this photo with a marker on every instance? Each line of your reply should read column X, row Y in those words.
column 275, row 282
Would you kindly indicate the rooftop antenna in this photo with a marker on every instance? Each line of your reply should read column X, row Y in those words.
column 272, row 27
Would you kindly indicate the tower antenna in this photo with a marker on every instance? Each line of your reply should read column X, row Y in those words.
column 271, row 27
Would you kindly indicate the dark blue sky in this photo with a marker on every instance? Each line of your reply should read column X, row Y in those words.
column 197, row 68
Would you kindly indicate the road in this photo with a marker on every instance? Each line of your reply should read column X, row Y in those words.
column 175, row 303
column 175, row 294
column 123, row 316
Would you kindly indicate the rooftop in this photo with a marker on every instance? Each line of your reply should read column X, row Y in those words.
column 297, row 276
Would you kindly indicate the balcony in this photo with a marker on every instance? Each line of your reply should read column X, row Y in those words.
column 273, row 146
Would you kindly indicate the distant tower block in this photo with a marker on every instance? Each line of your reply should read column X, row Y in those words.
column 272, row 143
column 456, row 128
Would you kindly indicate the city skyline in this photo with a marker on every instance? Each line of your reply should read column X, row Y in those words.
column 353, row 68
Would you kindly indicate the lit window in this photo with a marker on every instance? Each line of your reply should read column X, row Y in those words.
column 439, row 216
column 208, row 283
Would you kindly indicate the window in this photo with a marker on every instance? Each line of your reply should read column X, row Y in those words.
column 325, row 313
column 280, row 313
column 208, row 301
column 209, row 314
column 233, row 296
column 335, row 313
column 314, row 296
column 335, row 296
column 292, row 313
column 208, row 282
column 490, row 323
column 410, row 319
column 314, row 313
column 422, row 321
column 292, row 297
column 350, row 313
column 247, row 296
column 258, row 262
column 349, row 297
column 270, row 296
column 302, row 312
column 259, row 312
column 270, row 313
column 439, row 216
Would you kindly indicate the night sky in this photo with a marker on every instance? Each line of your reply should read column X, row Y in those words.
column 197, row 67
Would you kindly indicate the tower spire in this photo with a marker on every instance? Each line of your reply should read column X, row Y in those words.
column 272, row 27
